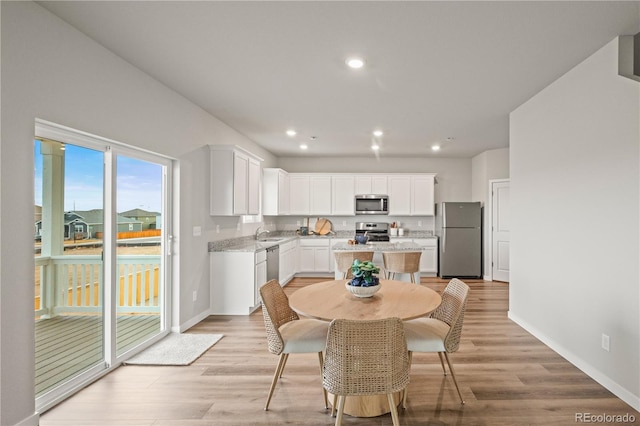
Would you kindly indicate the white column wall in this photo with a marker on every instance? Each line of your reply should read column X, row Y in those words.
column 575, row 181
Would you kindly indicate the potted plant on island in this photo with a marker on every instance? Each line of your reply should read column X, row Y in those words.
column 363, row 283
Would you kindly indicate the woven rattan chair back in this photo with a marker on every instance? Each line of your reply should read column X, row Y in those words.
column 401, row 262
column 366, row 357
column 344, row 260
column 451, row 311
column 276, row 312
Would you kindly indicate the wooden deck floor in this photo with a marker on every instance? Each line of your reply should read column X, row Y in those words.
column 506, row 375
column 67, row 345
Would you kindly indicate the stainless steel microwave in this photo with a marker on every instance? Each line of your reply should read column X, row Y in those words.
column 372, row 204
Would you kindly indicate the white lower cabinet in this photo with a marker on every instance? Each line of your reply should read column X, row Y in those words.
column 288, row 261
column 234, row 286
column 314, row 255
column 260, row 275
column 429, row 257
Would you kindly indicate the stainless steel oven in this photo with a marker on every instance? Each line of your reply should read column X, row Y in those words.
column 372, row 204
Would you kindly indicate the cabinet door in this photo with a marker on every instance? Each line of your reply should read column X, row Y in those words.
column 379, row 185
column 321, row 259
column 363, row 185
column 399, row 195
column 298, row 194
column 422, row 200
column 429, row 260
column 343, row 196
column 283, row 192
column 307, row 259
column 320, row 195
column 253, row 187
column 261, row 279
column 240, row 183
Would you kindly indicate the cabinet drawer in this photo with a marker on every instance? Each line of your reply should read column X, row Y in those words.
column 261, row 256
column 310, row 242
column 426, row 242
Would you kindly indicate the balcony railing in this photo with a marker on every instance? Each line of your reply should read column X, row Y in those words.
column 73, row 284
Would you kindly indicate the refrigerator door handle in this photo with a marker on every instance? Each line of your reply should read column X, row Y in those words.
column 444, row 240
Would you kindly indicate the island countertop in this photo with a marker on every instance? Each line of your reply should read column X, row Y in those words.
column 378, row 246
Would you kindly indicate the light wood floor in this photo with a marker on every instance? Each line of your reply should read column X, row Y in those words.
column 506, row 376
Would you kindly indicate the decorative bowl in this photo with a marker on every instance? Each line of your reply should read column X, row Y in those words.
column 362, row 239
column 362, row 291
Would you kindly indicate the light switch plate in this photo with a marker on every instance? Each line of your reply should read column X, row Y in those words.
column 197, row 231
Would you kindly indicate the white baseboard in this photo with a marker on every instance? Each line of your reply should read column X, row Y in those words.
column 585, row 367
column 193, row 321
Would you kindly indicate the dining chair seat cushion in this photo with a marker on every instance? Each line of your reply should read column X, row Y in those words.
column 426, row 335
column 304, row 336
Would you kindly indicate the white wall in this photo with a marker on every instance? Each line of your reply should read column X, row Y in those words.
column 53, row 72
column 575, row 180
column 489, row 165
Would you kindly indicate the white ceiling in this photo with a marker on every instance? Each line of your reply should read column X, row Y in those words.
column 434, row 69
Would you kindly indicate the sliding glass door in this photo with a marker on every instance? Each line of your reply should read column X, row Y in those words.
column 101, row 225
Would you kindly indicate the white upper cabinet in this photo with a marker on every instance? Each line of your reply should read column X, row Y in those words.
column 422, row 201
column 343, row 191
column 371, row 184
column 320, row 196
column 399, row 195
column 234, row 181
column 275, row 192
column 310, row 194
column 411, row 195
column 298, row 194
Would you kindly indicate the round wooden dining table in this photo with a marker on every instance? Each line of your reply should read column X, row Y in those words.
column 329, row 300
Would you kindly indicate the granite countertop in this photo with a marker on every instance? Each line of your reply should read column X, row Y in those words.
column 250, row 244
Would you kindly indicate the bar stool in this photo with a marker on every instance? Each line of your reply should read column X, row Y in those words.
column 401, row 262
column 344, row 260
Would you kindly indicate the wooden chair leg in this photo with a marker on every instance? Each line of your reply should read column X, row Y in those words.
column 286, row 358
column 340, row 410
column 324, row 391
column 276, row 376
column 335, row 406
column 394, row 410
column 444, row 370
column 453, row 374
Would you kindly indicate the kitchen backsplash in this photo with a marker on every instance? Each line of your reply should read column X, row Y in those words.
column 347, row 223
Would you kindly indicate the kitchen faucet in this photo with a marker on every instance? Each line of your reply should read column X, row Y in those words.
column 260, row 231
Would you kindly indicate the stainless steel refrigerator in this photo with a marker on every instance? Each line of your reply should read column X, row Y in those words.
column 461, row 240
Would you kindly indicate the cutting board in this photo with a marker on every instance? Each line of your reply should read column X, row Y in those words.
column 323, row 226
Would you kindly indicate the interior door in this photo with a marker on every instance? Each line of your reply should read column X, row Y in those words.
column 500, row 230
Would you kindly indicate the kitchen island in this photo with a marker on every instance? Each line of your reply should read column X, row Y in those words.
column 428, row 259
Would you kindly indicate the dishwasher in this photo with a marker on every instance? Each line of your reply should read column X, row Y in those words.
column 273, row 263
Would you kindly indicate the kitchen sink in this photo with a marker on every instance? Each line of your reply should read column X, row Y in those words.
column 269, row 240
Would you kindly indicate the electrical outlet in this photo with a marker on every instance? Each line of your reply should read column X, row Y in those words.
column 297, row 223
column 195, row 295
column 238, row 226
column 605, row 342
column 197, row 231
column 420, row 223
column 344, row 223
column 217, row 229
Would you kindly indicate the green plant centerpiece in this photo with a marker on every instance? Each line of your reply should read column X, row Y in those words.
column 363, row 274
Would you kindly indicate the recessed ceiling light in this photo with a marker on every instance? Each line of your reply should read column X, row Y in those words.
column 375, row 147
column 435, row 148
column 303, row 146
column 378, row 133
column 291, row 132
column 355, row 63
